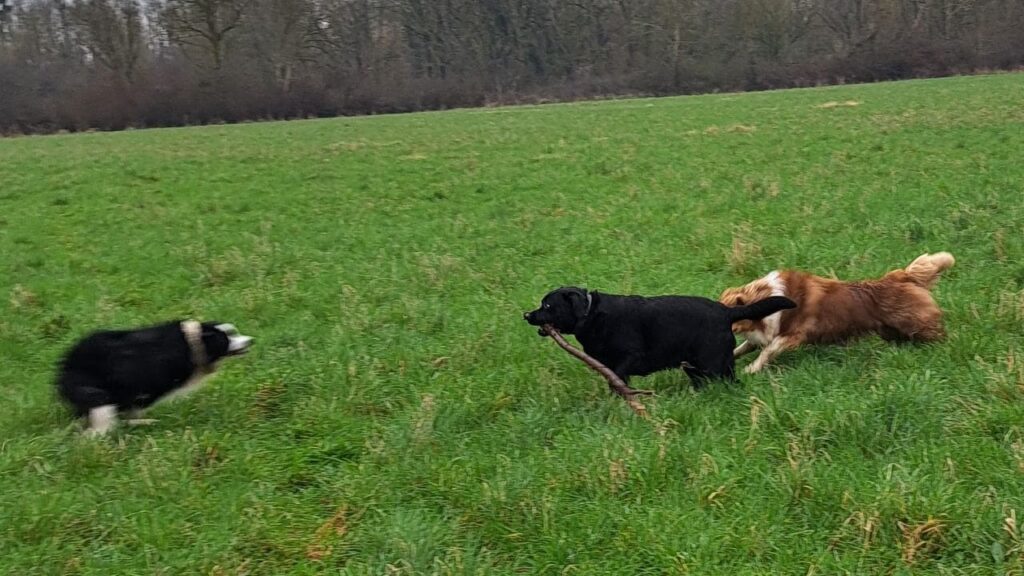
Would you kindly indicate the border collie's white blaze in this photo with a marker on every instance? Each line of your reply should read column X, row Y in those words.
column 236, row 342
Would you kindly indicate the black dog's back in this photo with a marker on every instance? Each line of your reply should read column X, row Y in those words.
column 124, row 367
column 641, row 335
column 638, row 335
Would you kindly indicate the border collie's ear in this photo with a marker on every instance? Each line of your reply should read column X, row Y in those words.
column 578, row 300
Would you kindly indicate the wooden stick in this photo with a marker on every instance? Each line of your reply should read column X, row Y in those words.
column 614, row 382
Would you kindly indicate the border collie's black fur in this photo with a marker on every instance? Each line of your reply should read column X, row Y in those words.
column 638, row 335
column 126, row 371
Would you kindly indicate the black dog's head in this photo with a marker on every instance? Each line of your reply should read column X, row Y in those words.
column 222, row 340
column 563, row 308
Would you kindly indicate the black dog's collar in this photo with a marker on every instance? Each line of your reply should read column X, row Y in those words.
column 586, row 314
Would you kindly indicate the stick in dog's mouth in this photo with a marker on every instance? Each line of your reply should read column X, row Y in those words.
column 614, row 382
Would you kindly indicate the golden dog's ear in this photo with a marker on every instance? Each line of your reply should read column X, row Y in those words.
column 740, row 301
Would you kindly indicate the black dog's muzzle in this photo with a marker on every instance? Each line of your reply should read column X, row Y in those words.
column 531, row 318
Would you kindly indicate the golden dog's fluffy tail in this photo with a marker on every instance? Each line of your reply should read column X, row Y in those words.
column 925, row 269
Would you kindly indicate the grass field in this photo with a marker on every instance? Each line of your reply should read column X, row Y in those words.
column 398, row 416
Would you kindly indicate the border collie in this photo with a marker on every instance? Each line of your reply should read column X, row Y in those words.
column 114, row 372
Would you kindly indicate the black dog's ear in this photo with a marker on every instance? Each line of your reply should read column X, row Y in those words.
column 578, row 301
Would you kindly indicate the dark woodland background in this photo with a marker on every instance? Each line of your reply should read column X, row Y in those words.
column 111, row 64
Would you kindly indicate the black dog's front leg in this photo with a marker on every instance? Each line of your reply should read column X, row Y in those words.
column 697, row 378
column 624, row 369
column 710, row 369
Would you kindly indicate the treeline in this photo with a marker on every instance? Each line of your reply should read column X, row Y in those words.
column 111, row 64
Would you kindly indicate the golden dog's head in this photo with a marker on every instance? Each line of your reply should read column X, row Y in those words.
column 743, row 295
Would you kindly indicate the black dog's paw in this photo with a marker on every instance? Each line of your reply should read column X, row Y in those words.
column 542, row 332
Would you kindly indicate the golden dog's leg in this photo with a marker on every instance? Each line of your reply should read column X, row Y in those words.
column 746, row 348
column 774, row 348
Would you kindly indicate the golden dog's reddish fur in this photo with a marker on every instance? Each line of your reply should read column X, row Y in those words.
column 897, row 306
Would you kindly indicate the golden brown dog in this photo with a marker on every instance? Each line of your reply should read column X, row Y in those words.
column 897, row 306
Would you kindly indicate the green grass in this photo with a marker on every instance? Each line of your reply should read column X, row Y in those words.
column 398, row 416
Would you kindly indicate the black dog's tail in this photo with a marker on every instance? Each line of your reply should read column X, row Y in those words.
column 760, row 309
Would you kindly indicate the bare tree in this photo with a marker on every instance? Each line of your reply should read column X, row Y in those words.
column 283, row 34
column 204, row 24
column 6, row 8
column 111, row 33
column 78, row 63
column 775, row 25
column 854, row 23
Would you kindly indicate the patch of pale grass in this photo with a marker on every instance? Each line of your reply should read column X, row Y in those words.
column 920, row 539
column 22, row 297
column 743, row 251
column 835, row 104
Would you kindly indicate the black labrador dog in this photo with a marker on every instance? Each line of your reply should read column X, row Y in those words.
column 638, row 335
